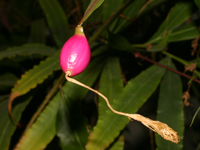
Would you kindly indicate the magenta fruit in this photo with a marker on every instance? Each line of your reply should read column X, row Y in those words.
column 75, row 53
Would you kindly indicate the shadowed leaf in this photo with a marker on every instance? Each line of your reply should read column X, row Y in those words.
column 38, row 31
column 57, row 21
column 7, row 80
column 27, row 50
column 7, row 127
column 197, row 2
column 170, row 108
column 178, row 15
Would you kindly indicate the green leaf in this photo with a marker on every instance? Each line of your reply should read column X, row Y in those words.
column 152, row 5
column 195, row 116
column 70, row 126
column 178, row 15
column 35, row 76
column 108, row 8
column 161, row 45
column 44, row 129
column 26, row 50
column 57, row 21
column 38, row 31
column 133, row 96
column 131, row 12
column 7, row 127
column 197, row 2
column 170, row 108
column 119, row 145
column 111, row 84
column 100, row 50
column 7, row 80
column 94, row 4
column 192, row 78
column 96, row 15
column 118, row 42
column 187, row 32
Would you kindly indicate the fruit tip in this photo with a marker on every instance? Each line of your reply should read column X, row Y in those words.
column 79, row 30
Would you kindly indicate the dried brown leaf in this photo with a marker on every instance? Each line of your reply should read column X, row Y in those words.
column 161, row 128
column 194, row 45
column 148, row 46
column 190, row 67
column 186, row 97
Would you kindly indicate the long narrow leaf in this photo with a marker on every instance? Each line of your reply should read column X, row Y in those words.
column 38, row 31
column 7, row 127
column 44, row 129
column 108, row 7
column 194, row 116
column 118, row 145
column 111, row 84
column 130, row 13
column 35, row 76
column 161, row 45
column 178, row 15
column 57, row 21
column 70, row 126
column 197, row 3
column 27, row 50
column 94, row 4
column 170, row 108
column 7, row 80
column 187, row 32
column 133, row 96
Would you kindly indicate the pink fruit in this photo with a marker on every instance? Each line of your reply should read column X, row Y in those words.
column 75, row 54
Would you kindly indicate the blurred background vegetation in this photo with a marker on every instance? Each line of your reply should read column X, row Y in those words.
column 122, row 35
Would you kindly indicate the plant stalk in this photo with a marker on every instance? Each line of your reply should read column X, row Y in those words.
column 175, row 58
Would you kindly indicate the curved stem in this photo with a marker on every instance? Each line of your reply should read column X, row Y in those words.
column 68, row 73
column 175, row 58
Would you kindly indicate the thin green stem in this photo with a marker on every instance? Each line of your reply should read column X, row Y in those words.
column 176, row 58
column 139, row 45
column 110, row 20
column 180, row 60
column 165, row 53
